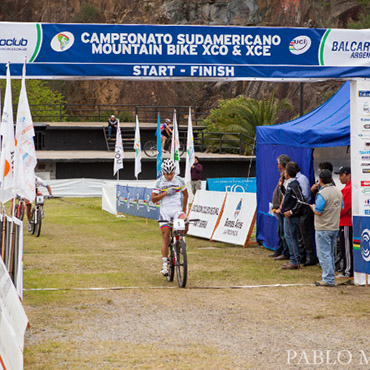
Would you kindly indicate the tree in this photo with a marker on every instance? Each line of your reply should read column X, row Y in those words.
column 46, row 105
column 242, row 115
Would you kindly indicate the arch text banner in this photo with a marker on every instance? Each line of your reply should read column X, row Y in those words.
column 162, row 52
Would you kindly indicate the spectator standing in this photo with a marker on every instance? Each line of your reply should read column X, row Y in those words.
column 327, row 213
column 345, row 223
column 322, row 166
column 291, row 209
column 306, row 247
column 196, row 176
column 282, row 251
column 112, row 126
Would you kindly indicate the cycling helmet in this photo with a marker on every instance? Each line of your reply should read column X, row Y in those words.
column 167, row 120
column 168, row 166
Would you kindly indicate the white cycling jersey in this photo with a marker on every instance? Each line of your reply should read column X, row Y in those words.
column 40, row 182
column 173, row 202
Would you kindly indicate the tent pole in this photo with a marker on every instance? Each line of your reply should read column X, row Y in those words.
column 301, row 99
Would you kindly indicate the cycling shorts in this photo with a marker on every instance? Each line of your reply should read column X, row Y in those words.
column 168, row 214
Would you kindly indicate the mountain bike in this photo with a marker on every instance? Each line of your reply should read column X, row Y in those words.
column 19, row 208
column 37, row 214
column 150, row 147
column 177, row 258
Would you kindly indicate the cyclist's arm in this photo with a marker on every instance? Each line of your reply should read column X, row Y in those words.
column 49, row 190
column 157, row 197
column 185, row 197
column 169, row 131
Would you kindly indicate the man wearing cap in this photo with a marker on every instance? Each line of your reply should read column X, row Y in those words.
column 327, row 213
column 345, row 223
column 112, row 126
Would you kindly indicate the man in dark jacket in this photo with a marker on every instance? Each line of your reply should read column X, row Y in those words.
column 282, row 252
column 291, row 210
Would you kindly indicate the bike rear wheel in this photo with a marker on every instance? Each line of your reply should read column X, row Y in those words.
column 181, row 263
column 171, row 265
column 19, row 211
column 38, row 223
column 182, row 149
column 150, row 148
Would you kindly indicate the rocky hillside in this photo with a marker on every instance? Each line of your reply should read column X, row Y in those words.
column 293, row 13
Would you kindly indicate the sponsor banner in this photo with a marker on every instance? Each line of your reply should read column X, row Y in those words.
column 360, row 148
column 182, row 52
column 360, row 175
column 237, row 218
column 11, row 356
column 361, row 244
column 136, row 201
column 207, row 207
column 233, row 184
column 11, row 307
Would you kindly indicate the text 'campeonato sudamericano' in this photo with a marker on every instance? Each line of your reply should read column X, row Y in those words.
column 181, row 44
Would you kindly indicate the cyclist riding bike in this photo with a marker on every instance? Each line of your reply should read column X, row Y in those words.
column 167, row 190
column 166, row 132
column 38, row 182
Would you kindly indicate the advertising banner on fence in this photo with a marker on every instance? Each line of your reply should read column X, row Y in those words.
column 12, row 316
column 233, row 184
column 360, row 174
column 11, row 356
column 182, row 52
column 237, row 218
column 136, row 201
column 207, row 206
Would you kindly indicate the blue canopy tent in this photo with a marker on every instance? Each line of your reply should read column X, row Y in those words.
column 326, row 126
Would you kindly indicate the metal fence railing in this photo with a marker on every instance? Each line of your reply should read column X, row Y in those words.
column 102, row 112
column 224, row 142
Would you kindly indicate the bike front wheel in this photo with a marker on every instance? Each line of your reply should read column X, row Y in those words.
column 181, row 263
column 171, row 265
column 38, row 223
column 150, row 148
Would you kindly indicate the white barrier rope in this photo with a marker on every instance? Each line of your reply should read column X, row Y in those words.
column 169, row 287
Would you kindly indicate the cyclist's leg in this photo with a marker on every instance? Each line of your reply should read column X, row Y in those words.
column 163, row 140
column 28, row 209
column 165, row 230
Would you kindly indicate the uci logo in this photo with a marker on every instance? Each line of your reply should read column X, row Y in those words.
column 364, row 245
column 299, row 45
column 62, row 41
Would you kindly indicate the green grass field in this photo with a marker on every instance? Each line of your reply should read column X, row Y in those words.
column 82, row 246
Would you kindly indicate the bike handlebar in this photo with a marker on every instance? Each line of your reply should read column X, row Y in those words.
column 186, row 221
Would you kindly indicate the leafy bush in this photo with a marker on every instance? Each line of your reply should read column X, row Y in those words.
column 242, row 115
column 88, row 14
column 46, row 105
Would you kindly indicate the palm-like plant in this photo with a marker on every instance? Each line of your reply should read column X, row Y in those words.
column 242, row 115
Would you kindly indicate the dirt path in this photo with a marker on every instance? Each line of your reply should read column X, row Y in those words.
column 201, row 329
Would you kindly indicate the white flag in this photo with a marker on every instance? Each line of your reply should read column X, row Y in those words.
column 25, row 154
column 8, row 146
column 118, row 151
column 137, row 147
column 190, row 153
column 175, row 145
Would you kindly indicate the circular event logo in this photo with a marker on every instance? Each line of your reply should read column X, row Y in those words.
column 62, row 41
column 299, row 45
column 365, row 245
